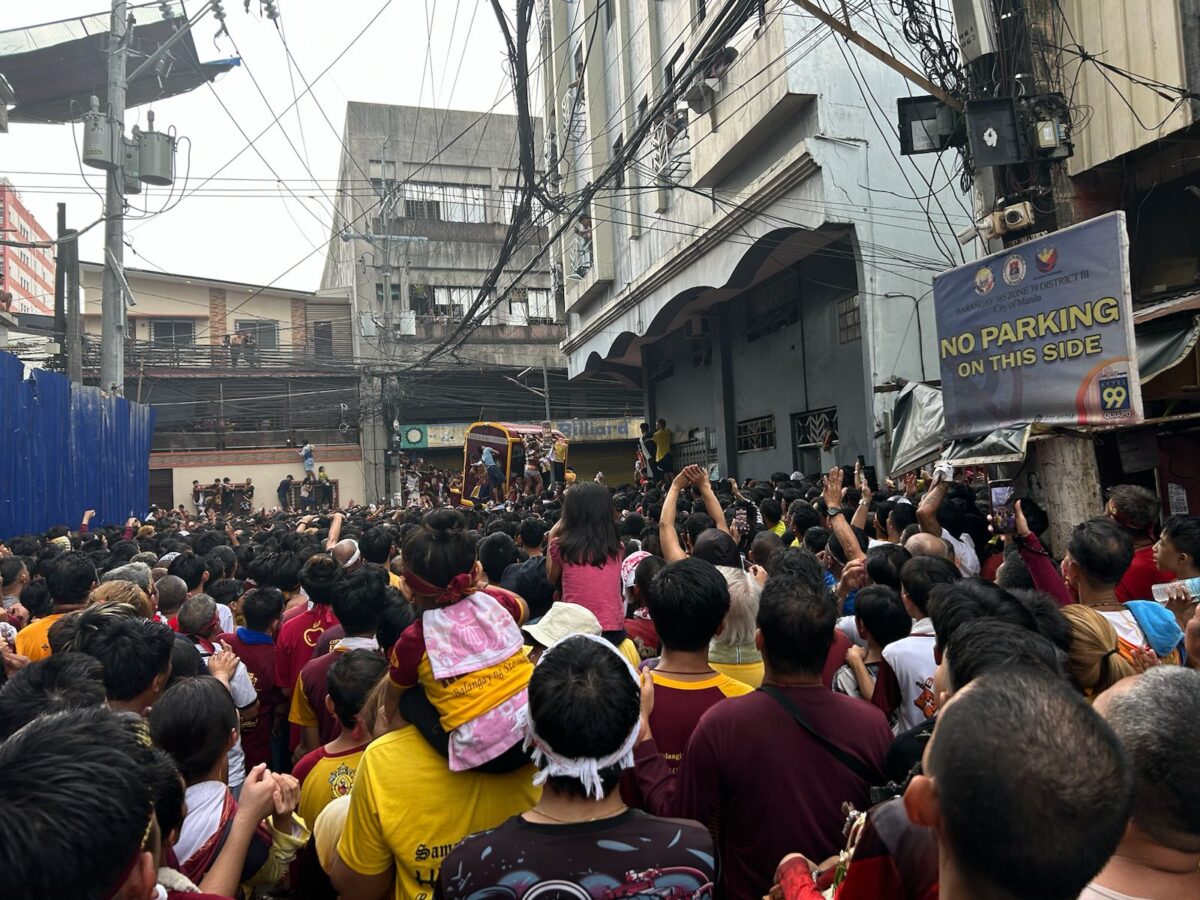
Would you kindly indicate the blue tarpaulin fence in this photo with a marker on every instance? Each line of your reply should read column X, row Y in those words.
column 66, row 448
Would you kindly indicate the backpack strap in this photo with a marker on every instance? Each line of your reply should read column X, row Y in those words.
column 854, row 764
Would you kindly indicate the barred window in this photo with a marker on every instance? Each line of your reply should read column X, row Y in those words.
column 849, row 323
column 756, row 434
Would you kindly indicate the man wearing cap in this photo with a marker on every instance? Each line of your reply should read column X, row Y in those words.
column 583, row 712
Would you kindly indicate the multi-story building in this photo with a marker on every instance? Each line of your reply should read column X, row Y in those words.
column 763, row 261
column 239, row 375
column 27, row 273
column 425, row 198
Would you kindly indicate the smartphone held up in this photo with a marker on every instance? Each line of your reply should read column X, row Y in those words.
column 1004, row 519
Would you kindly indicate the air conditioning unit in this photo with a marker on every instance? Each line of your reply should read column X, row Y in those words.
column 698, row 328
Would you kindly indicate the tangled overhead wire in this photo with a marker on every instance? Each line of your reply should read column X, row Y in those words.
column 927, row 27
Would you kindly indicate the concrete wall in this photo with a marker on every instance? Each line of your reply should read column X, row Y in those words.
column 348, row 474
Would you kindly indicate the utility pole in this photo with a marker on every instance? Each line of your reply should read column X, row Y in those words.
column 1066, row 463
column 60, row 283
column 546, row 387
column 74, row 346
column 112, row 309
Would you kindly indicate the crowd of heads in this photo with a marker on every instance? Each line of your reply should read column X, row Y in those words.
column 1048, row 742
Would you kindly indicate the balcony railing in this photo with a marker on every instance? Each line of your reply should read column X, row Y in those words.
column 669, row 148
column 146, row 354
column 573, row 112
column 179, row 441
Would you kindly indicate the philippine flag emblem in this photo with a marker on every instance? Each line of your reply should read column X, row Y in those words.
column 1046, row 259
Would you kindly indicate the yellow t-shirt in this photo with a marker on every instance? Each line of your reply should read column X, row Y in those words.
column 779, row 528
column 750, row 674
column 730, row 687
column 560, row 451
column 329, row 778
column 662, row 443
column 34, row 640
column 394, row 580
column 630, row 651
column 409, row 810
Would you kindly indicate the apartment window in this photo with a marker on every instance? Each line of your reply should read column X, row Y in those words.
column 849, row 322
column 756, row 434
column 421, row 209
column 395, row 292
column 446, row 202
column 669, row 72
column 609, row 14
column 453, row 301
column 265, row 331
column 420, row 299
column 618, row 147
column 811, row 430
column 172, row 332
column 382, row 174
column 541, row 306
column 701, row 10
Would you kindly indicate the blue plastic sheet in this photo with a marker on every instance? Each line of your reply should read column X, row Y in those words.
column 66, row 448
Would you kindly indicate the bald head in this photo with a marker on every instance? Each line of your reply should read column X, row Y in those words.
column 922, row 544
column 347, row 555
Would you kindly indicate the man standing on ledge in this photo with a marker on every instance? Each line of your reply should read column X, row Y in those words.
column 664, row 462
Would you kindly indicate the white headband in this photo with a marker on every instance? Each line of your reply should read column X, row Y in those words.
column 354, row 557
column 587, row 770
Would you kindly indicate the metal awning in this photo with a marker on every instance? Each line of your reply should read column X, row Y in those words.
column 54, row 68
column 919, row 419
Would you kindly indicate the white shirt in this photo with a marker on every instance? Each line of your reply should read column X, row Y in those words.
column 241, row 688
column 911, row 658
column 204, row 804
column 1125, row 625
column 964, row 553
column 1096, row 892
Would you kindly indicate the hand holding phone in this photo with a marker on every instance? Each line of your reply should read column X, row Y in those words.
column 1003, row 516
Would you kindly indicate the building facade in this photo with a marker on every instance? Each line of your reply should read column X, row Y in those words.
column 764, row 259
column 424, row 201
column 26, row 273
column 240, row 376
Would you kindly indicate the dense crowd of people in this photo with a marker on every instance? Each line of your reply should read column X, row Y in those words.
column 793, row 688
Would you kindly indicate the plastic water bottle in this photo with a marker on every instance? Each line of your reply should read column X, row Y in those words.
column 1162, row 592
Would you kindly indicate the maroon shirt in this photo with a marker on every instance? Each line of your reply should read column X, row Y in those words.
column 260, row 664
column 314, row 680
column 297, row 639
column 774, row 787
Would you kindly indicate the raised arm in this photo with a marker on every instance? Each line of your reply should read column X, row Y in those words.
column 668, row 537
column 864, row 503
column 837, row 521
column 927, row 512
column 335, row 530
column 712, row 505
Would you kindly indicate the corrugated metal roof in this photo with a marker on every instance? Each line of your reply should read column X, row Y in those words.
column 1145, row 38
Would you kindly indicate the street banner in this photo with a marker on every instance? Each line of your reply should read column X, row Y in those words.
column 1041, row 332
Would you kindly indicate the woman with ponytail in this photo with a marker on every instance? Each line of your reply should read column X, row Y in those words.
column 1095, row 662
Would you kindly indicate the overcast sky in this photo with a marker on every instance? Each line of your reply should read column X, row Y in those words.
column 242, row 225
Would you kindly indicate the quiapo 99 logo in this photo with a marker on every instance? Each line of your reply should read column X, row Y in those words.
column 1106, row 395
